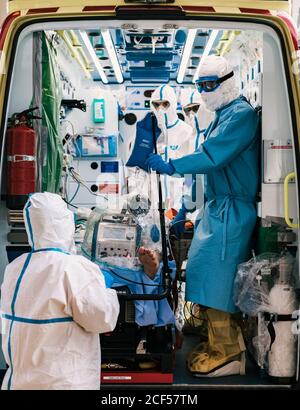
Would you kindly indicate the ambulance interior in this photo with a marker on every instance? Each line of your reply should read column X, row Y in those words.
column 91, row 82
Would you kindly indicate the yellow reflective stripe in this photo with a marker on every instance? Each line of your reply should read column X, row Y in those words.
column 74, row 9
column 232, row 10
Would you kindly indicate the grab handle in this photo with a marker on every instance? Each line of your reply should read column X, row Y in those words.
column 286, row 201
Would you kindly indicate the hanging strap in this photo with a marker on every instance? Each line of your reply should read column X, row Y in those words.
column 94, row 242
column 274, row 317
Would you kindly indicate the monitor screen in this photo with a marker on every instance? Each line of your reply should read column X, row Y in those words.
column 114, row 233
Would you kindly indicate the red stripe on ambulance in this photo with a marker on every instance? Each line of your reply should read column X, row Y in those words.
column 99, row 8
column 200, row 9
column 282, row 147
column 254, row 11
column 5, row 26
column 43, row 10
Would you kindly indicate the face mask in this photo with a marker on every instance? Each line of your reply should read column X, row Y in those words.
column 166, row 118
column 160, row 116
column 191, row 119
column 213, row 100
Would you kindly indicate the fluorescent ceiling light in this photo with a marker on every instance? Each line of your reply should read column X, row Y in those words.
column 208, row 47
column 88, row 44
column 186, row 54
column 75, row 52
column 112, row 55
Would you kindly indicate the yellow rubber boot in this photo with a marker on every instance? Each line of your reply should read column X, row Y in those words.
column 224, row 352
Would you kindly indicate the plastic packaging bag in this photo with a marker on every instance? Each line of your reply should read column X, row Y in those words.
column 114, row 238
column 261, row 343
column 256, row 278
column 265, row 287
column 96, row 145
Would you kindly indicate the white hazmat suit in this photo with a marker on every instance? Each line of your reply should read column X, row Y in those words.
column 199, row 120
column 176, row 134
column 54, row 305
column 174, row 141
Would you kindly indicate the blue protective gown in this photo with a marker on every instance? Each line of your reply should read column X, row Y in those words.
column 147, row 312
column 229, row 159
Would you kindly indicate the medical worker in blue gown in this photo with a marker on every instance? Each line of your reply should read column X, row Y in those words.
column 229, row 159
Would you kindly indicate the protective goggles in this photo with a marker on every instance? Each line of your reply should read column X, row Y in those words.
column 211, row 83
column 191, row 108
column 161, row 103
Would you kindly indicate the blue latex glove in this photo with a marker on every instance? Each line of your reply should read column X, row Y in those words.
column 177, row 224
column 156, row 163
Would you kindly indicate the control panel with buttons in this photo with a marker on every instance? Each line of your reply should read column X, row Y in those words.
column 117, row 237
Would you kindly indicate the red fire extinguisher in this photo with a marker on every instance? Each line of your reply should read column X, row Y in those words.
column 21, row 159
